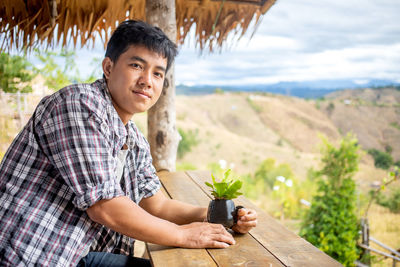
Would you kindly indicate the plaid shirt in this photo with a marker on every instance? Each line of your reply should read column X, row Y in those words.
column 61, row 163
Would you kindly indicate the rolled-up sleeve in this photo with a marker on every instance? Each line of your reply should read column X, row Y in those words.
column 77, row 141
column 147, row 179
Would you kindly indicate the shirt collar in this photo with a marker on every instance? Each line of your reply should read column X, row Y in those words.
column 127, row 131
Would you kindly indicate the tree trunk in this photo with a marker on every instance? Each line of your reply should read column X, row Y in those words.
column 161, row 118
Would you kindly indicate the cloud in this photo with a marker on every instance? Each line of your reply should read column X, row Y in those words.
column 306, row 40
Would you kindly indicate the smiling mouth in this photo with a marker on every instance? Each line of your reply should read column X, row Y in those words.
column 141, row 94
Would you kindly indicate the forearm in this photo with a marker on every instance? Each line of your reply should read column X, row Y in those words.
column 172, row 210
column 182, row 213
column 124, row 216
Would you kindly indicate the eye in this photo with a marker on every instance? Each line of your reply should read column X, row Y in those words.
column 159, row 74
column 136, row 66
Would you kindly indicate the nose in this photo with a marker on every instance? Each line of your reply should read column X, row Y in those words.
column 145, row 79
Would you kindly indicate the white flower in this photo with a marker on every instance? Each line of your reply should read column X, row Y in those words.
column 289, row 183
column 305, row 202
column 276, row 187
column 280, row 179
column 222, row 163
column 232, row 166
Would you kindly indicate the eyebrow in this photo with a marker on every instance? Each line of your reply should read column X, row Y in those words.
column 145, row 62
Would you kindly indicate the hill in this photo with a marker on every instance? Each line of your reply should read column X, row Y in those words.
column 244, row 129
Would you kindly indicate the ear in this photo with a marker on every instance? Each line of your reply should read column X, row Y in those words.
column 107, row 66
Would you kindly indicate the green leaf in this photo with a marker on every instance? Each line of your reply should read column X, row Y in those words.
column 209, row 185
column 233, row 188
column 226, row 175
column 213, row 178
column 220, row 188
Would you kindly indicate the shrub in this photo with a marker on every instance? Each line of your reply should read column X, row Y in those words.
column 397, row 163
column 267, row 171
column 331, row 223
column 184, row 166
column 392, row 201
column 188, row 141
column 382, row 159
column 15, row 71
column 276, row 181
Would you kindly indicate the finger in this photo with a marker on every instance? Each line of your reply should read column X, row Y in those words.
column 216, row 244
column 250, row 216
column 242, row 212
column 248, row 224
column 219, row 229
column 223, row 238
column 242, row 230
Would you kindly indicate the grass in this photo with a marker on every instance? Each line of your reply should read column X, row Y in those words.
column 395, row 125
column 257, row 108
column 385, row 227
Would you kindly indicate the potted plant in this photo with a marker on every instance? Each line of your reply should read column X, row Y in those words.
column 222, row 209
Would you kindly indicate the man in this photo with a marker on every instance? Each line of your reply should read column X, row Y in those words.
column 79, row 176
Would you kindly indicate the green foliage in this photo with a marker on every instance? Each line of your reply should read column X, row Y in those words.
column 57, row 77
column 219, row 91
column 267, row 172
column 382, row 159
column 388, row 149
column 188, row 141
column 14, row 74
column 225, row 189
column 276, row 189
column 395, row 125
column 184, row 166
column 331, row 223
column 330, row 107
column 392, row 201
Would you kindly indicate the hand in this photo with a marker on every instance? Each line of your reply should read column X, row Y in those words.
column 205, row 235
column 247, row 219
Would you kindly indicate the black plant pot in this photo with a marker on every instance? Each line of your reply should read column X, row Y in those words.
column 222, row 211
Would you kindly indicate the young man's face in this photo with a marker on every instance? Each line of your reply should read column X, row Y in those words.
column 135, row 80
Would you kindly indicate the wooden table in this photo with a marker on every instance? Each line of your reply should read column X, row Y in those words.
column 269, row 244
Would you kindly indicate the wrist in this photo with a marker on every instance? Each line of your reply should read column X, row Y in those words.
column 180, row 237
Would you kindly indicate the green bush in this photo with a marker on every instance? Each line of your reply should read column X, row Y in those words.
column 267, row 172
column 184, row 166
column 277, row 183
column 382, row 159
column 15, row 72
column 188, row 141
column 392, row 201
column 331, row 223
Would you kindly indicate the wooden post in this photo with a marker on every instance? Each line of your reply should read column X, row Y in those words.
column 365, row 240
column 161, row 118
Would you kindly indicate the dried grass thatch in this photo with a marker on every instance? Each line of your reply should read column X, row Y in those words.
column 26, row 24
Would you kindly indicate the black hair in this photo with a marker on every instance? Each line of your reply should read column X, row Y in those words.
column 133, row 32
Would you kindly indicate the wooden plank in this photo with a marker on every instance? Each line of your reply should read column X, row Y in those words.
column 164, row 256
column 288, row 247
column 246, row 252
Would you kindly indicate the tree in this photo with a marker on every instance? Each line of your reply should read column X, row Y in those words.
column 57, row 77
column 15, row 74
column 161, row 118
column 331, row 223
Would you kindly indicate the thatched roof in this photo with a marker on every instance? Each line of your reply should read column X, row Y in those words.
column 33, row 22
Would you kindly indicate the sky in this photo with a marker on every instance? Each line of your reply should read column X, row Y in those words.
column 298, row 40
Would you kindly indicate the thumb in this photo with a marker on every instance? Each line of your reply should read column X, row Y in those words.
column 242, row 212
